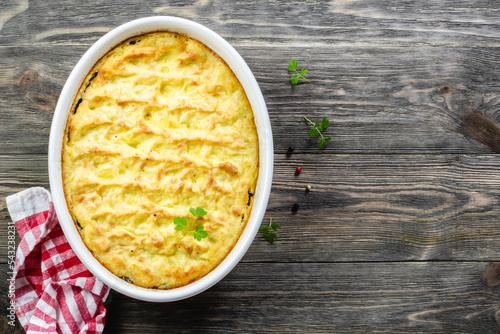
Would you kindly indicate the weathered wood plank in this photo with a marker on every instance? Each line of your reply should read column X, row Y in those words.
column 432, row 297
column 362, row 22
column 329, row 298
column 31, row 82
column 428, row 100
column 411, row 174
column 386, row 208
column 349, row 298
column 360, row 207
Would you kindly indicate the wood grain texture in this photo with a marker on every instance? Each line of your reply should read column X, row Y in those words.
column 374, row 108
column 438, row 297
column 321, row 298
column 357, row 22
column 401, row 224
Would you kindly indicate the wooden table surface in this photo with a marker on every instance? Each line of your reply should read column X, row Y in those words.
column 400, row 231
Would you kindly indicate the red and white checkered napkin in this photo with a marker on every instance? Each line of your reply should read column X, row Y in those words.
column 54, row 291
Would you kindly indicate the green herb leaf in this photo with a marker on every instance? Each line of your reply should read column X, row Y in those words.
column 200, row 233
column 180, row 223
column 275, row 226
column 322, row 144
column 269, row 235
column 324, row 124
column 313, row 132
column 264, row 229
column 293, row 67
column 200, row 212
column 318, row 128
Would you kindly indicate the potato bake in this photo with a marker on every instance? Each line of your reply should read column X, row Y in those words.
column 159, row 127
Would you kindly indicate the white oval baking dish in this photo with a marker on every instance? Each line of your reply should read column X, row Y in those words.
column 68, row 93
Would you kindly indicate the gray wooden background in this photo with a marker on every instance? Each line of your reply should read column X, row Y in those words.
column 400, row 232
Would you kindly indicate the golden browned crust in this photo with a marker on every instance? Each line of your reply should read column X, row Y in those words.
column 161, row 124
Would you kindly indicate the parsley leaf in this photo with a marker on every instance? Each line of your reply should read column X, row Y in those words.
column 198, row 212
column 275, row 226
column 313, row 132
column 201, row 212
column 269, row 231
column 182, row 222
column 324, row 123
column 293, row 67
column 318, row 131
column 270, row 237
column 264, row 229
column 322, row 144
column 200, row 233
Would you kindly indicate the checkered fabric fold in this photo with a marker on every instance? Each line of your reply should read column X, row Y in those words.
column 54, row 291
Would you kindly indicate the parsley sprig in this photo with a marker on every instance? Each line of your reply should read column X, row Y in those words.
column 318, row 128
column 293, row 67
column 269, row 231
column 182, row 222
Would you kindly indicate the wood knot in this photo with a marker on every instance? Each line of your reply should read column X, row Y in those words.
column 28, row 78
column 445, row 89
column 44, row 102
column 491, row 276
column 484, row 129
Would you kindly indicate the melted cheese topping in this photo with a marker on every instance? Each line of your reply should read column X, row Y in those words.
column 160, row 125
